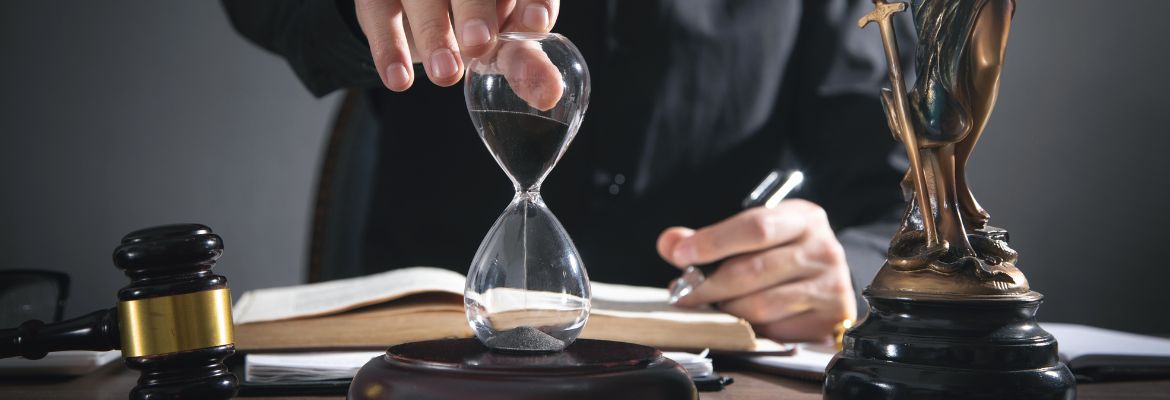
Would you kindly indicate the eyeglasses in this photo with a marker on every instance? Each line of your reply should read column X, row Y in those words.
column 32, row 294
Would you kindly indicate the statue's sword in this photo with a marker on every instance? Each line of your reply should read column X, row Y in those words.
column 883, row 13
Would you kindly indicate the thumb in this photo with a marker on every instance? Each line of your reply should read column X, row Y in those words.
column 531, row 74
column 669, row 239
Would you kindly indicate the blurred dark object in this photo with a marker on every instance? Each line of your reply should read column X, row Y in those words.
column 343, row 192
column 172, row 322
column 32, row 294
column 713, row 383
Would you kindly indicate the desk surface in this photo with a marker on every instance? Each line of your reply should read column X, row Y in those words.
column 114, row 381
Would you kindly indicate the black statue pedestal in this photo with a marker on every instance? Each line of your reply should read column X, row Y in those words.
column 465, row 369
column 923, row 348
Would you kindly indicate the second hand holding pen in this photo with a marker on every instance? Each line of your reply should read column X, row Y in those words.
column 768, row 193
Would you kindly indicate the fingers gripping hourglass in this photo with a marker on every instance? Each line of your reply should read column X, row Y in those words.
column 527, row 290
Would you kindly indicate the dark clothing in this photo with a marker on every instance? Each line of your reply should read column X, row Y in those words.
column 693, row 102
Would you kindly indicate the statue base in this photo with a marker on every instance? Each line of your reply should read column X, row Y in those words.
column 934, row 347
column 465, row 369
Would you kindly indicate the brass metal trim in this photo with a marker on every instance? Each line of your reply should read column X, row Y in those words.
column 908, row 295
column 171, row 324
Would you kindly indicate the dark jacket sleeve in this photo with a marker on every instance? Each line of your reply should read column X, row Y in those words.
column 320, row 39
column 853, row 164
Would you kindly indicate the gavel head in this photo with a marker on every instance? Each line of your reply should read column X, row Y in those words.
column 175, row 316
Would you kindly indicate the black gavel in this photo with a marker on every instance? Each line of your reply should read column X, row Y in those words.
column 173, row 322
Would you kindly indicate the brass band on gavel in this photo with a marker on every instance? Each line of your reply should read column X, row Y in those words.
column 171, row 324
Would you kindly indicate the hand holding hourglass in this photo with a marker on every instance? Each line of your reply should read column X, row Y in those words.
column 527, row 289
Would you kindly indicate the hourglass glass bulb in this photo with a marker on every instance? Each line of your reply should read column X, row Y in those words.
column 527, row 289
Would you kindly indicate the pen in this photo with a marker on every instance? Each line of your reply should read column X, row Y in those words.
column 768, row 193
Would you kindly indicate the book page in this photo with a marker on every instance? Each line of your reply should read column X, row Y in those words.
column 1080, row 340
column 646, row 302
column 808, row 359
column 343, row 294
column 608, row 299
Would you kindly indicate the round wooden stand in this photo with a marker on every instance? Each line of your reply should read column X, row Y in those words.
column 974, row 349
column 465, row 369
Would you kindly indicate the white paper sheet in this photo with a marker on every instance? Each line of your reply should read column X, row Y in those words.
column 309, row 367
column 1080, row 340
column 65, row 363
column 305, row 367
column 697, row 365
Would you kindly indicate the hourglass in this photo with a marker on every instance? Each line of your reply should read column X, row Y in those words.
column 527, row 290
column 527, row 295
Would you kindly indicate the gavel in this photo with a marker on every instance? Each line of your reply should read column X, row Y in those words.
column 173, row 322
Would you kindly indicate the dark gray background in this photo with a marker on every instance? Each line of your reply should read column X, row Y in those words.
column 118, row 115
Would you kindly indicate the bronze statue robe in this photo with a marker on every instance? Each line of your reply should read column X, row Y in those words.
column 959, row 58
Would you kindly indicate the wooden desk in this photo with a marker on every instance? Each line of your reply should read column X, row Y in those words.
column 114, row 381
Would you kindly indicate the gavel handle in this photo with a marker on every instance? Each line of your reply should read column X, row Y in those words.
column 34, row 339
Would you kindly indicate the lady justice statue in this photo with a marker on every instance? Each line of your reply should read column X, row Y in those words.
column 959, row 57
column 950, row 314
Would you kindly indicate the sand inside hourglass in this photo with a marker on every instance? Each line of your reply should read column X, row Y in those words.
column 526, row 145
column 527, row 320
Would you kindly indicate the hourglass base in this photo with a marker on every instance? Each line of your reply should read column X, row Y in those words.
column 465, row 369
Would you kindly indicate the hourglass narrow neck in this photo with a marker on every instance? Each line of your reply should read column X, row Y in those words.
column 518, row 187
column 530, row 195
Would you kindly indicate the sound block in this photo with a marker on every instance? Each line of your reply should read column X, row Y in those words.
column 930, row 348
column 465, row 369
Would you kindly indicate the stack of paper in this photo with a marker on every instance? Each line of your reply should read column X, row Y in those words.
column 808, row 361
column 326, row 366
column 305, row 367
column 697, row 365
column 72, row 362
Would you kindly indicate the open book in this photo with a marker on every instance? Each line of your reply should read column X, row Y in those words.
column 421, row 303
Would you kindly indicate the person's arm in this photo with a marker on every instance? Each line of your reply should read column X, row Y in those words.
column 853, row 164
column 320, row 40
column 788, row 268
